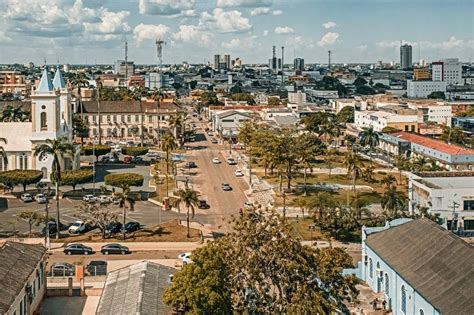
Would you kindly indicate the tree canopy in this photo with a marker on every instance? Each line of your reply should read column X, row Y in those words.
column 76, row 177
column 96, row 150
column 134, row 151
column 124, row 180
column 345, row 115
column 20, row 177
column 437, row 95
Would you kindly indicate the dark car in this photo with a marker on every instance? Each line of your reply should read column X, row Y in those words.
column 114, row 249
column 202, row 204
column 97, row 268
column 226, row 187
column 78, row 249
column 62, row 270
column 53, row 229
column 137, row 160
column 114, row 227
column 190, row 164
column 131, row 226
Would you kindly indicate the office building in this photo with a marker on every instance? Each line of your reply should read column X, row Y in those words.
column 421, row 89
column 406, row 57
column 216, row 62
column 298, row 64
column 13, row 82
column 124, row 69
column 227, row 61
column 421, row 74
column 447, row 70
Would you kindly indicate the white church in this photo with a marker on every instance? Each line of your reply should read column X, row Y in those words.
column 51, row 118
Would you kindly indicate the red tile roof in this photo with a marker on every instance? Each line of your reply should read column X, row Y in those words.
column 433, row 144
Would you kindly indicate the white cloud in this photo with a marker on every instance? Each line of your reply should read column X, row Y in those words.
column 265, row 33
column 277, row 12
column 328, row 39
column 192, row 33
column 388, row 44
column 225, row 22
column 111, row 23
column 243, row 3
column 4, row 38
column 165, row 7
column 362, row 47
column 284, row 30
column 241, row 44
column 143, row 32
column 329, row 24
column 233, row 44
column 260, row 11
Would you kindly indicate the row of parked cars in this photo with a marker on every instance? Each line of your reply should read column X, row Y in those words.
column 39, row 198
column 81, row 249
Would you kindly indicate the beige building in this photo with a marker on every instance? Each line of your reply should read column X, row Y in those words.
column 22, row 278
column 13, row 82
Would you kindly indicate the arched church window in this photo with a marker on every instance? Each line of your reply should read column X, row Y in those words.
column 45, row 172
column 44, row 123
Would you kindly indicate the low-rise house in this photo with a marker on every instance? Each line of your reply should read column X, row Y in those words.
column 22, row 278
column 378, row 120
column 227, row 123
column 418, row 267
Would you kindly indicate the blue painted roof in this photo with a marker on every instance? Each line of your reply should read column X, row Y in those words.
column 58, row 81
column 45, row 84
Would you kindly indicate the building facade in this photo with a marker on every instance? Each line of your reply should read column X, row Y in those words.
column 447, row 70
column 406, row 57
column 378, row 120
column 13, row 82
column 421, row 89
column 298, row 64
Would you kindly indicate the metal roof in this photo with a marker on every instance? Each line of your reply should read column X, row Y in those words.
column 45, row 84
column 17, row 262
column 136, row 289
column 58, row 81
column 435, row 262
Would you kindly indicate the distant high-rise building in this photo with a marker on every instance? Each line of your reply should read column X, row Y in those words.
column 238, row 62
column 298, row 64
column 447, row 70
column 227, row 61
column 406, row 57
column 122, row 68
column 217, row 62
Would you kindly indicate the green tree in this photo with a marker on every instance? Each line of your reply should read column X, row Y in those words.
column 176, row 122
column 352, row 162
column 14, row 114
column 365, row 90
column 345, row 115
column 360, row 81
column 209, row 98
column 20, row 177
column 57, row 148
column 134, row 151
column 3, row 153
column 96, row 150
column 437, row 95
column 124, row 181
column 392, row 202
column 272, row 100
column 97, row 214
column 32, row 218
column 190, row 198
column 76, row 177
column 389, row 181
column 80, row 128
column 308, row 147
column 453, row 135
column 369, row 138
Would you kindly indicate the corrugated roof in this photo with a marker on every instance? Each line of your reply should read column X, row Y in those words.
column 433, row 144
column 435, row 262
column 136, row 289
column 17, row 262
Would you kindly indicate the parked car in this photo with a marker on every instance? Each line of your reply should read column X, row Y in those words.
column 216, row 160
column 53, row 229
column 202, row 204
column 238, row 173
column 26, row 198
column 137, row 160
column 41, row 198
column 131, row 226
column 105, row 159
column 122, row 142
column 154, row 155
column 113, row 159
column 114, row 227
column 127, row 159
column 97, row 268
column 114, row 249
column 231, row 161
column 226, row 187
column 62, row 269
column 190, row 164
column 78, row 249
column 248, row 205
column 185, row 258
column 89, row 198
column 77, row 227
column 214, row 141
column 104, row 199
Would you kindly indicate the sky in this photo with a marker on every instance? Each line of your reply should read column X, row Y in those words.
column 366, row 31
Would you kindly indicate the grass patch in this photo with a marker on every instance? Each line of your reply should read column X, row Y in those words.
column 302, row 229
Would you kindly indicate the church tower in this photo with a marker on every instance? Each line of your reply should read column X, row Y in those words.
column 59, row 86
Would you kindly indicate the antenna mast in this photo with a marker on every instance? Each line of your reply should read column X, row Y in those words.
column 329, row 60
column 126, row 64
column 282, row 62
column 159, row 52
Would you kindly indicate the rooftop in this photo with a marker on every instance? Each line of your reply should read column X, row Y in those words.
column 17, row 262
column 435, row 262
column 136, row 289
column 131, row 107
column 433, row 144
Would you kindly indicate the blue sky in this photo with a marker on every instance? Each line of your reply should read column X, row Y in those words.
column 89, row 31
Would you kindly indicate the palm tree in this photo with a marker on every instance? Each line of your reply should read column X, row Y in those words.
column 3, row 154
column 78, row 81
column 158, row 96
column 402, row 163
column 14, row 114
column 359, row 207
column 190, row 198
column 57, row 148
column 388, row 180
column 177, row 122
column 137, row 95
column 369, row 138
column 392, row 201
column 168, row 144
column 353, row 167
column 125, row 198
column 421, row 163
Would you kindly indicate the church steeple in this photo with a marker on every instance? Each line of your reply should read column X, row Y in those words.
column 45, row 84
column 58, row 81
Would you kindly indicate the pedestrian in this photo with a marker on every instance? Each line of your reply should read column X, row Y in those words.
column 241, row 211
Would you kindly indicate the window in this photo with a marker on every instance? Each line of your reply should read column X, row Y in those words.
column 43, row 120
column 468, row 224
column 137, row 118
column 3, row 164
column 94, row 119
column 468, row 204
column 150, row 119
column 422, row 312
column 115, row 118
column 23, row 162
column 387, row 284
column 45, row 172
column 403, row 300
column 108, row 118
column 371, row 268
column 129, row 118
column 122, row 118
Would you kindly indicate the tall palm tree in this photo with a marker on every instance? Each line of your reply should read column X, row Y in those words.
column 78, row 81
column 168, row 144
column 369, row 138
column 388, row 180
column 125, row 198
column 391, row 201
column 403, row 164
column 158, row 96
column 137, row 95
column 3, row 154
column 421, row 163
column 57, row 148
column 14, row 114
column 176, row 122
column 353, row 167
column 190, row 198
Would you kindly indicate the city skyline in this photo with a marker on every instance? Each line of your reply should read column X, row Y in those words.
column 92, row 31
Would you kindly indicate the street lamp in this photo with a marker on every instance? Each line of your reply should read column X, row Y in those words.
column 93, row 167
column 230, row 142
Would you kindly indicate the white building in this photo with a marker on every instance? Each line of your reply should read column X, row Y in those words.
column 381, row 119
column 447, row 70
column 296, row 100
column 421, row 89
column 357, row 104
column 51, row 118
column 446, row 194
column 435, row 113
column 227, row 122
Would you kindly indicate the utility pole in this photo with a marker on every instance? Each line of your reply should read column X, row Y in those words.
column 159, row 53
column 329, row 60
column 455, row 216
column 47, row 242
column 282, row 63
column 126, row 65
column 99, row 87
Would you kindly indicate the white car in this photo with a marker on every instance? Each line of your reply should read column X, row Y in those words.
column 103, row 199
column 238, row 173
column 231, row 161
column 216, row 160
column 26, row 198
column 152, row 155
column 248, row 205
column 116, row 148
column 88, row 198
column 122, row 142
column 77, row 227
column 185, row 258
column 40, row 198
